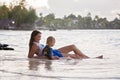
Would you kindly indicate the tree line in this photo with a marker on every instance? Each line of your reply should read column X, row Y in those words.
column 77, row 22
column 27, row 19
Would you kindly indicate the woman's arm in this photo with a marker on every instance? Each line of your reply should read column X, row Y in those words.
column 32, row 51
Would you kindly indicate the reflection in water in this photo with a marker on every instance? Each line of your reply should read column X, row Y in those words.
column 34, row 64
column 48, row 64
column 73, row 61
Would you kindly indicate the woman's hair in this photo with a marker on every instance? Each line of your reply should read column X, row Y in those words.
column 33, row 34
column 50, row 39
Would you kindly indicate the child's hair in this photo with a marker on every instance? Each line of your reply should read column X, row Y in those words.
column 50, row 39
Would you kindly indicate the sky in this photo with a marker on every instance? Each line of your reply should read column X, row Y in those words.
column 102, row 8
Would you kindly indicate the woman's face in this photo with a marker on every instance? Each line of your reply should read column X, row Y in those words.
column 37, row 38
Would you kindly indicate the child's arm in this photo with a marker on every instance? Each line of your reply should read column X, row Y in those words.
column 49, row 54
column 47, row 51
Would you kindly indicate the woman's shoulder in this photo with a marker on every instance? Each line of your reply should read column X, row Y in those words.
column 36, row 43
column 34, row 46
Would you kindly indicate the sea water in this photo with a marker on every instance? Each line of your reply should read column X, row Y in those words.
column 14, row 65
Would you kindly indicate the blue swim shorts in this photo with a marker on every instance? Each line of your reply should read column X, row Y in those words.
column 57, row 53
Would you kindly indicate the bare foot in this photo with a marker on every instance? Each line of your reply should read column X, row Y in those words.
column 100, row 57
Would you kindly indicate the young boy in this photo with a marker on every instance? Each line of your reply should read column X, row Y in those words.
column 48, row 51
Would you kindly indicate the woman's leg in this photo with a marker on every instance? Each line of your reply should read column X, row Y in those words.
column 65, row 50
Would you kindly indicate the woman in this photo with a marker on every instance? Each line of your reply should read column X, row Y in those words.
column 35, row 48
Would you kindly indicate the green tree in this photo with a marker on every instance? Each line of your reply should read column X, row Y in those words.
column 23, row 15
column 71, row 21
column 80, row 23
column 115, row 24
column 71, row 16
column 49, row 19
column 19, row 13
column 87, row 21
column 95, row 22
column 66, row 22
column 30, row 16
column 101, row 23
column 4, row 12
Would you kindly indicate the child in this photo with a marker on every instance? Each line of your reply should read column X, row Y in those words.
column 48, row 51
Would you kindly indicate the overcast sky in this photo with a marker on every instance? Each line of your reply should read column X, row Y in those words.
column 102, row 8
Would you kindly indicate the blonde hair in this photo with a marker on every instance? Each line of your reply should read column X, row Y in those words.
column 50, row 39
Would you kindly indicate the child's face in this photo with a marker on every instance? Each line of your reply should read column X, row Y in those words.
column 52, row 43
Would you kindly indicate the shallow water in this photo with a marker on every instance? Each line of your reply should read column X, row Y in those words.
column 14, row 65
